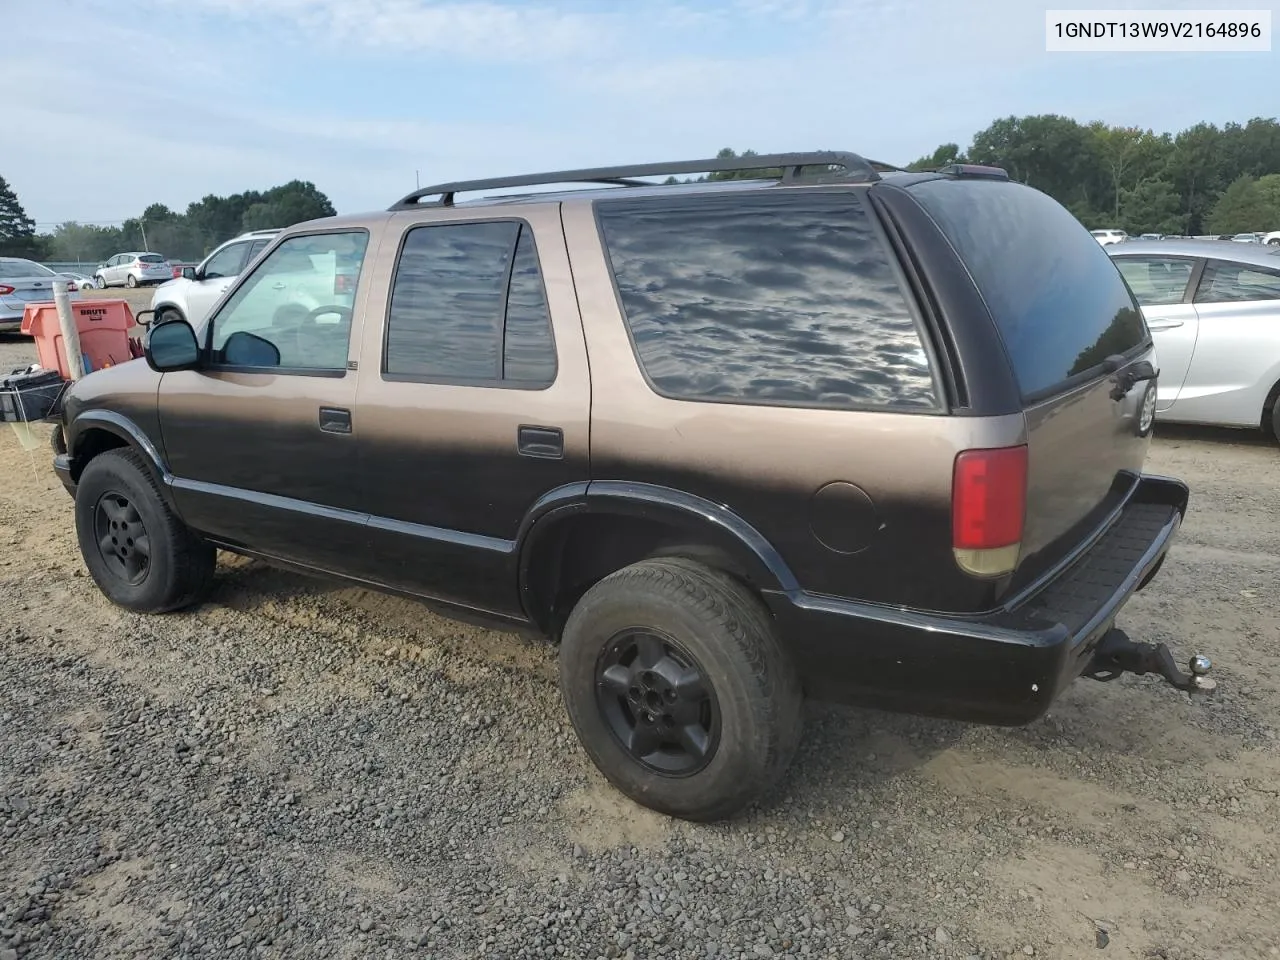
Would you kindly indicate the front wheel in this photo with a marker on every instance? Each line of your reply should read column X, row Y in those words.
column 140, row 555
column 678, row 689
column 100, row 282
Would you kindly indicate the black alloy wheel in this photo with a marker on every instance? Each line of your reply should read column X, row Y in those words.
column 122, row 538
column 657, row 702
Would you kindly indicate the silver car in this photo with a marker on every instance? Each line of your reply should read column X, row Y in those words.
column 22, row 282
column 133, row 270
column 1213, row 307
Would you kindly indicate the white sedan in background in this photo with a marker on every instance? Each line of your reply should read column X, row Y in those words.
column 22, row 282
column 1213, row 308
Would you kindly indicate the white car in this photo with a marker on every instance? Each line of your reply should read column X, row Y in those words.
column 1108, row 237
column 132, row 270
column 1213, row 309
column 192, row 295
column 1272, row 238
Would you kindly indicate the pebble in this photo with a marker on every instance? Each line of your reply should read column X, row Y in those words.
column 838, row 837
column 941, row 935
column 366, row 924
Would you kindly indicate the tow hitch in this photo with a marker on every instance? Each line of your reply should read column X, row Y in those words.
column 1117, row 654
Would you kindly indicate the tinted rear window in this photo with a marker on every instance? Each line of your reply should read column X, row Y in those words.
column 778, row 297
column 1058, row 300
column 151, row 258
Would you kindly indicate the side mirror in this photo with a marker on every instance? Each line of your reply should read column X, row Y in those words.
column 249, row 350
column 188, row 273
column 171, row 346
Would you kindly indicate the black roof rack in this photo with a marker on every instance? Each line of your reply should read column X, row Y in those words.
column 854, row 168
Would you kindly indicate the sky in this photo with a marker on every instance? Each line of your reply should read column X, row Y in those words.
column 108, row 106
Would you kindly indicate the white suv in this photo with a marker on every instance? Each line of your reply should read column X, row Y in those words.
column 193, row 295
column 1108, row 237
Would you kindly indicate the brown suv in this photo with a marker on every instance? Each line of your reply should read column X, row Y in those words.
column 839, row 430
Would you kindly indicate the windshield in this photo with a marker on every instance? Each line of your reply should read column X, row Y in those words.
column 20, row 269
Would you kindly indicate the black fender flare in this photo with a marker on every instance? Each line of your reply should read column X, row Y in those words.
column 126, row 430
column 707, row 523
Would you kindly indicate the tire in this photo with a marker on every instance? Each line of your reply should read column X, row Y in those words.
column 100, row 282
column 702, row 623
column 1274, row 243
column 118, row 499
column 168, row 313
column 1275, row 420
column 130, row 281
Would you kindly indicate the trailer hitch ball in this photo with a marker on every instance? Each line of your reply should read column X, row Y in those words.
column 1117, row 654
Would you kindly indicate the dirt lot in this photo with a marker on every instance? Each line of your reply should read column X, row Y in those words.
column 299, row 770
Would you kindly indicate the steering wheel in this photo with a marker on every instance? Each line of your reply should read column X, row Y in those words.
column 308, row 337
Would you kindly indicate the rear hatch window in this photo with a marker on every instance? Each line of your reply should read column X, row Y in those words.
column 151, row 258
column 1061, row 305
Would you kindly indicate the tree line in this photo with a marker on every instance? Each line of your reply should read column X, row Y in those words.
column 1203, row 180
column 189, row 235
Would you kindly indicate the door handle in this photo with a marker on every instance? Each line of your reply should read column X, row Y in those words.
column 1163, row 324
column 544, row 443
column 335, row 420
column 277, row 286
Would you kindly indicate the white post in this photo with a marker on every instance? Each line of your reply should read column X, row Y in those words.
column 70, row 333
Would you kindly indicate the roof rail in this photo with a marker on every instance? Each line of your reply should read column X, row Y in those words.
column 854, row 167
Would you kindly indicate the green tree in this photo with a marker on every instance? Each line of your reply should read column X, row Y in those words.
column 1239, row 210
column 1153, row 206
column 17, row 230
column 283, row 206
column 1268, row 188
column 945, row 155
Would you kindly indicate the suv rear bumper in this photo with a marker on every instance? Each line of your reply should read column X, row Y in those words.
column 1004, row 667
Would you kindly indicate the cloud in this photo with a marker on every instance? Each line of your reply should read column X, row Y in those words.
column 357, row 95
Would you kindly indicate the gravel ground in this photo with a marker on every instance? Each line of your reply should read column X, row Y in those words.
column 302, row 770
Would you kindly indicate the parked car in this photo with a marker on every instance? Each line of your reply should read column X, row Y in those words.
column 25, row 281
column 132, row 270
column 1214, row 310
column 192, row 295
column 851, row 433
column 1272, row 239
column 1247, row 238
column 1108, row 237
column 81, row 281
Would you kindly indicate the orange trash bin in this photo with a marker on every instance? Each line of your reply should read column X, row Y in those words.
column 104, row 333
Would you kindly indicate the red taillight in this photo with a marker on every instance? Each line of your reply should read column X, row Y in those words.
column 5, row 289
column 988, row 509
column 71, row 286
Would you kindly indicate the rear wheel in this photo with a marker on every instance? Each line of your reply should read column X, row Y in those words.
column 141, row 556
column 131, row 281
column 678, row 689
column 165, row 314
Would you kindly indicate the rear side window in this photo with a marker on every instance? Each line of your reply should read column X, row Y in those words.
column 1058, row 300
column 1156, row 281
column 782, row 297
column 468, row 307
column 1224, row 282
